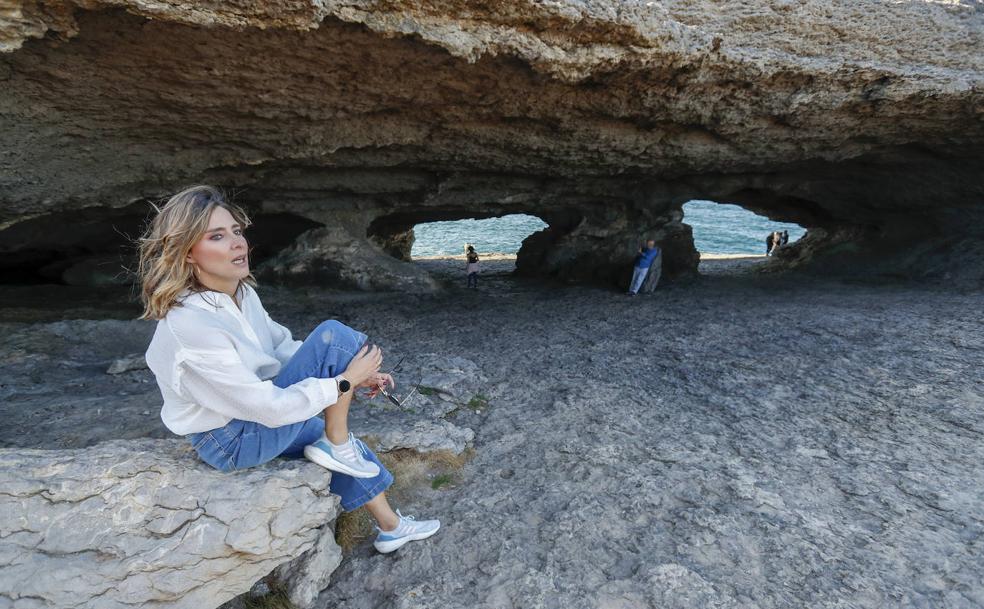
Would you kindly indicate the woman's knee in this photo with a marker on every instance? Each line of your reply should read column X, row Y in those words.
column 328, row 328
column 334, row 333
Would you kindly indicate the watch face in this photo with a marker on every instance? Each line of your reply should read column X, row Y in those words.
column 344, row 385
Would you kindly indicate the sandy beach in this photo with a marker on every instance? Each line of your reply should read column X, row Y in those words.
column 735, row 440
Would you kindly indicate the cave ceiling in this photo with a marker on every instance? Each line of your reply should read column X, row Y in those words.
column 823, row 113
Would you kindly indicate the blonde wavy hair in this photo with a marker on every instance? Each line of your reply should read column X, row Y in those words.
column 164, row 270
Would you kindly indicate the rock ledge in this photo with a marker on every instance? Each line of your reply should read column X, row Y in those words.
column 145, row 524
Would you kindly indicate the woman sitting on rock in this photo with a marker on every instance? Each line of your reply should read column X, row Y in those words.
column 235, row 382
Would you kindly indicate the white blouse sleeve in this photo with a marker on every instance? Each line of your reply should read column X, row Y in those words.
column 284, row 345
column 212, row 375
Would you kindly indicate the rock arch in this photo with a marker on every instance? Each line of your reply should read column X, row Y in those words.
column 603, row 119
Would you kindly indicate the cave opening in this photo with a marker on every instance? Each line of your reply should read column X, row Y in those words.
column 434, row 240
column 440, row 247
column 98, row 246
column 730, row 232
column 491, row 236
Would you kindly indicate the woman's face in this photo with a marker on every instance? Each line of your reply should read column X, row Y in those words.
column 221, row 256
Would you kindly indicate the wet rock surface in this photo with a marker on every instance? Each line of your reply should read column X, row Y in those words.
column 738, row 440
column 144, row 523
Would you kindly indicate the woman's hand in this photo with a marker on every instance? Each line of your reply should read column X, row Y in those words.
column 377, row 382
column 364, row 365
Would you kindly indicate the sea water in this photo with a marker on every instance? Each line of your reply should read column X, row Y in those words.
column 718, row 228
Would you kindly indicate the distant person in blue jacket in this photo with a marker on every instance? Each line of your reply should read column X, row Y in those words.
column 643, row 261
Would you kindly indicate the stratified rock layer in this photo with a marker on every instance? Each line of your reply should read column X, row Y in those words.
column 603, row 118
column 146, row 524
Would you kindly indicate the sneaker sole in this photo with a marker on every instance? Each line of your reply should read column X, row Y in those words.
column 385, row 547
column 327, row 462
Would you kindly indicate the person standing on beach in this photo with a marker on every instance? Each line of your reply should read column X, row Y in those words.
column 776, row 242
column 472, row 267
column 643, row 261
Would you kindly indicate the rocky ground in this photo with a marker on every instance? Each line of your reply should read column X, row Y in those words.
column 739, row 440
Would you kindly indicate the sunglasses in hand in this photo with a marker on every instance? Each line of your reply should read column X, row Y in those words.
column 396, row 400
column 392, row 398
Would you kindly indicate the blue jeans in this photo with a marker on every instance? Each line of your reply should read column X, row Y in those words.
column 240, row 444
column 638, row 278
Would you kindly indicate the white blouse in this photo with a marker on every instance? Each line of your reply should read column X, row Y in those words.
column 214, row 361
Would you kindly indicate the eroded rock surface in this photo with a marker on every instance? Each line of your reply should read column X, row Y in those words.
column 334, row 256
column 603, row 118
column 735, row 441
column 144, row 523
column 738, row 442
column 435, row 388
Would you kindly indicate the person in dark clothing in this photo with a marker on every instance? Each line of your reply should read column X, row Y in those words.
column 768, row 243
column 785, row 237
column 472, row 267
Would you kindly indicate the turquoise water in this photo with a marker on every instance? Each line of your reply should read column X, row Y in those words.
column 718, row 228
column 729, row 229
column 495, row 235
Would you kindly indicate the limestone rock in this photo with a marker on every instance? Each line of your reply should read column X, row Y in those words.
column 332, row 256
column 448, row 376
column 98, row 271
column 446, row 385
column 24, row 19
column 60, row 369
column 306, row 576
column 685, row 450
column 136, row 361
column 144, row 523
column 603, row 118
column 425, row 436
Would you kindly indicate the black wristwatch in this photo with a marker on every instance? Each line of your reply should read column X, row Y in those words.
column 343, row 384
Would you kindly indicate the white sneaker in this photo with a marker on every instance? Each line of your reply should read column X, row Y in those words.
column 408, row 530
column 343, row 458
